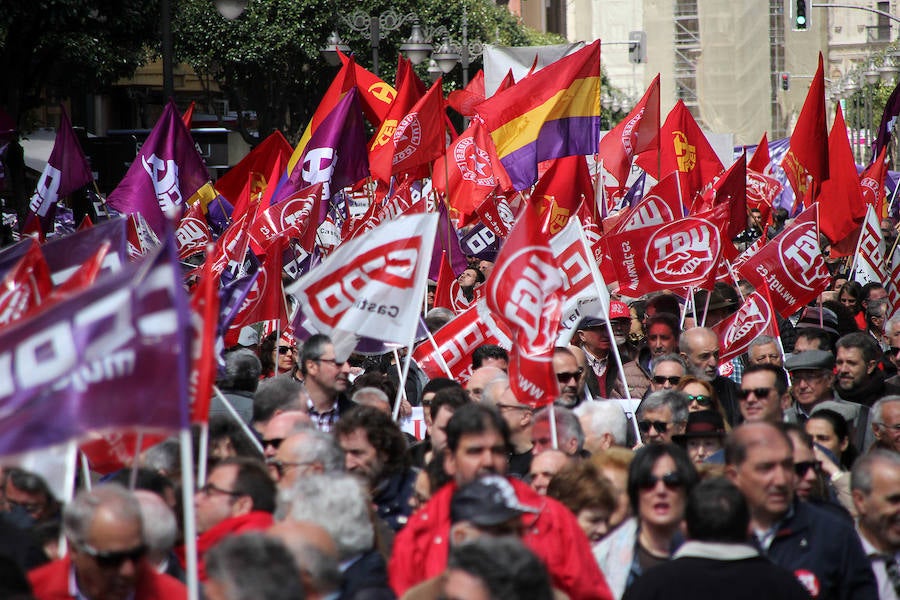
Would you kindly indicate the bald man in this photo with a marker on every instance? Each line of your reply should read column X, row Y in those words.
column 480, row 377
column 699, row 346
column 281, row 426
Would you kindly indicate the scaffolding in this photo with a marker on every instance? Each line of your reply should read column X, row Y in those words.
column 687, row 48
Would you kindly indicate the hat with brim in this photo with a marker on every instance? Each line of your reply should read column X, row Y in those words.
column 702, row 424
column 810, row 360
column 487, row 502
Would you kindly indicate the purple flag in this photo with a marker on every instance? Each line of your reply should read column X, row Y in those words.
column 64, row 255
column 448, row 241
column 110, row 357
column 888, row 120
column 335, row 154
column 166, row 172
column 66, row 171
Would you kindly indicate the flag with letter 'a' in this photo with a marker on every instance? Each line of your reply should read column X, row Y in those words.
column 550, row 114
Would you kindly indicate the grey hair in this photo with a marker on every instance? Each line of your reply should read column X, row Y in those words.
column 878, row 407
column 338, row 503
column 567, row 424
column 253, row 565
column 605, row 416
column 493, row 390
column 676, row 358
column 323, row 570
column 370, row 396
column 861, row 475
column 761, row 340
column 891, row 324
column 79, row 514
column 160, row 527
column 242, row 370
column 318, row 446
column 164, row 457
column 675, row 400
column 877, row 307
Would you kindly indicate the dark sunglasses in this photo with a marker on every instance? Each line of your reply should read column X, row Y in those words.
column 274, row 442
column 671, row 480
column 802, row 468
column 286, row 349
column 700, row 399
column 659, row 426
column 761, row 393
column 114, row 560
column 568, row 376
column 660, row 380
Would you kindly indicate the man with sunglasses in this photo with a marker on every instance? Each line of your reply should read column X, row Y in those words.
column 661, row 415
column 819, row 547
column 763, row 395
column 107, row 553
column 568, row 375
column 325, row 380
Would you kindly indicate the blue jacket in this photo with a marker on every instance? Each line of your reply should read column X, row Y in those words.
column 824, row 553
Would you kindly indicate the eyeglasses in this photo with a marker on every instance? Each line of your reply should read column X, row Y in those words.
column 659, row 426
column 113, row 560
column 700, row 399
column 332, row 361
column 760, row 393
column 895, row 428
column 660, row 380
column 672, row 480
column 210, row 489
column 802, row 468
column 274, row 442
column 569, row 375
column 281, row 466
column 286, row 349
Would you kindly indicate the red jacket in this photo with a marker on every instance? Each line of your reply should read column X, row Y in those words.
column 252, row 521
column 420, row 548
column 51, row 582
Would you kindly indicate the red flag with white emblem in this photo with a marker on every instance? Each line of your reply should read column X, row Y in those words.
column 754, row 318
column 525, row 293
column 465, row 173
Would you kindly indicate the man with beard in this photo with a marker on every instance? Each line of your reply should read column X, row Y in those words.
column 477, row 445
column 325, row 380
column 875, row 484
column 699, row 346
column 661, row 339
column 568, row 373
column 858, row 377
column 375, row 450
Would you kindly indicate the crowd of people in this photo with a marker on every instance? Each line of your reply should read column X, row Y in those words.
column 775, row 474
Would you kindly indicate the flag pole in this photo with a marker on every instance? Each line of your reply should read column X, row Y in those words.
column 203, row 451
column 404, row 373
column 190, row 523
column 554, row 439
column 85, row 471
column 132, row 481
column 234, row 415
column 437, row 350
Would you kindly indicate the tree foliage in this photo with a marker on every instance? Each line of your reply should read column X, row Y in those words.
column 68, row 48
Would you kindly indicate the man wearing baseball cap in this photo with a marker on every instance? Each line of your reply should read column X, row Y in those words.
column 602, row 376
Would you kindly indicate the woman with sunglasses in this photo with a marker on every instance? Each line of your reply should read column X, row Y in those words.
column 701, row 396
column 277, row 354
column 659, row 480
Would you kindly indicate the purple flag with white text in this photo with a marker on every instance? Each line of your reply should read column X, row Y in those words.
column 112, row 357
column 335, row 154
column 166, row 172
column 66, row 171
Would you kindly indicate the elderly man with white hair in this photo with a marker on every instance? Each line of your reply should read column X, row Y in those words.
column 604, row 423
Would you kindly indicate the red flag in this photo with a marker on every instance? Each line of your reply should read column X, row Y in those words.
column 25, row 286
column 265, row 300
column 808, row 151
column 375, row 94
column 188, row 115
column 419, row 137
column 381, row 146
column 730, row 188
column 247, row 179
column 661, row 204
column 442, row 294
column 290, row 217
column 82, row 277
column 684, row 148
column 465, row 173
column 86, row 223
column 464, row 101
column 871, row 180
column 497, row 215
column 761, row 193
column 192, row 234
column 456, row 341
column 525, row 293
column 840, row 199
column 560, row 191
column 790, row 266
column 205, row 311
column 754, row 318
column 679, row 254
column 760, row 161
column 638, row 132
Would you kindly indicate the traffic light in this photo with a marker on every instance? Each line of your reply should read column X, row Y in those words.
column 785, row 81
column 637, row 47
column 801, row 15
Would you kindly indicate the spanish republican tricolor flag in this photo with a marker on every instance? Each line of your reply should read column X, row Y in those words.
column 550, row 114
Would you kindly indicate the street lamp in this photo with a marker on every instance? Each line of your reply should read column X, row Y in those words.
column 371, row 27
column 331, row 47
column 451, row 52
column 231, row 9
